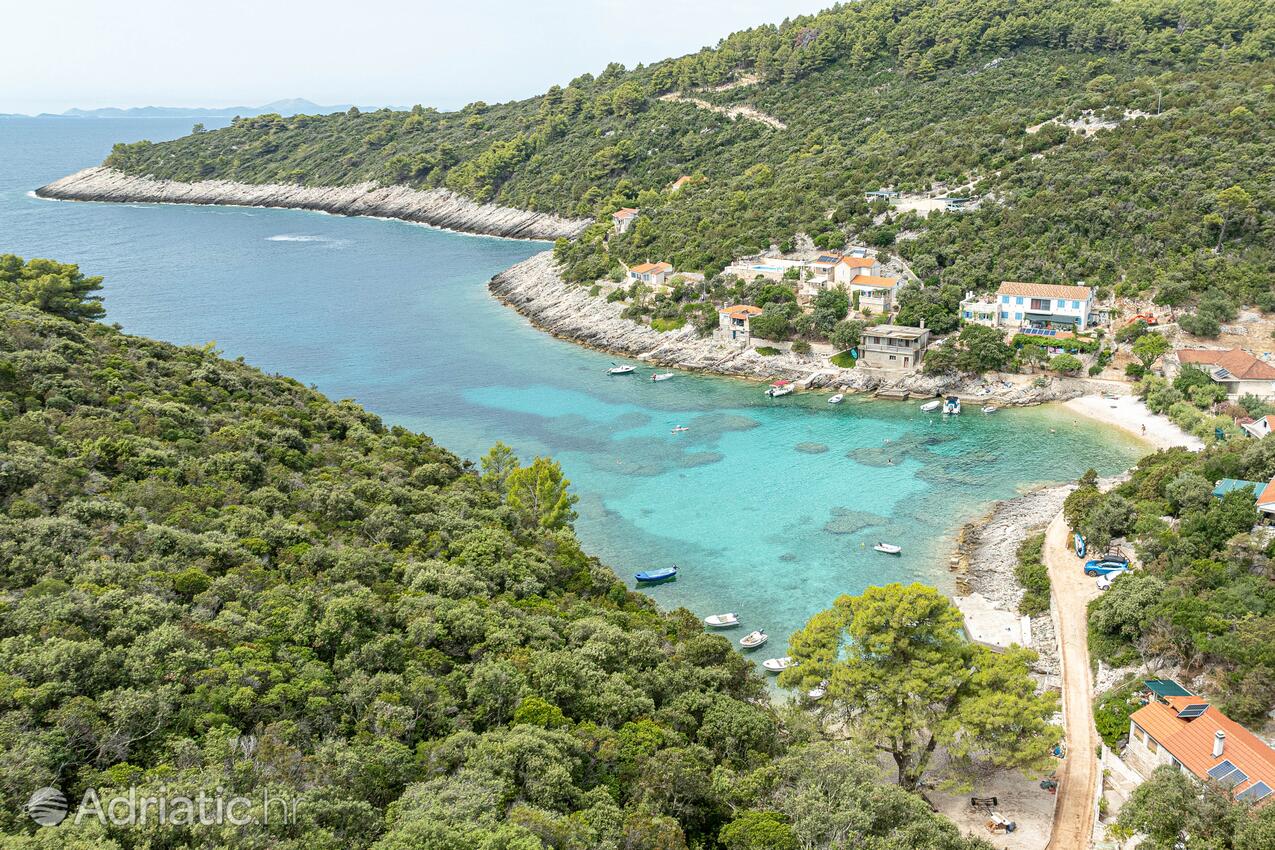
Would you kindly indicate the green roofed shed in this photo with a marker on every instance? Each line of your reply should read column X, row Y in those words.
column 1167, row 688
column 1226, row 485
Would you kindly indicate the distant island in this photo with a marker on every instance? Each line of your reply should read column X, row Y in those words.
column 286, row 107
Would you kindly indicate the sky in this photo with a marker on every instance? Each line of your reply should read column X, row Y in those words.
column 443, row 53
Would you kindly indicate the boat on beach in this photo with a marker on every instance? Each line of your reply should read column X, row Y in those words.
column 931, row 406
column 952, row 406
column 778, row 665
column 888, row 548
column 620, row 370
column 778, row 388
column 752, row 640
column 656, row 575
column 661, row 376
column 837, row 399
column 721, row 621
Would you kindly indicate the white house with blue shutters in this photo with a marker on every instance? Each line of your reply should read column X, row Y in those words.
column 1044, row 305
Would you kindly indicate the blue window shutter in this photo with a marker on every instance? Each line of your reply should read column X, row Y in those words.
column 1018, row 315
column 1004, row 299
column 1018, row 300
column 1061, row 303
column 1004, row 315
column 1075, row 305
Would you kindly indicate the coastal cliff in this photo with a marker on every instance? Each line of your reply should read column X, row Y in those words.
column 435, row 207
column 536, row 290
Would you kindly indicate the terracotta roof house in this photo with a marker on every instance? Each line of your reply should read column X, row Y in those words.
column 623, row 219
column 1266, row 498
column 875, row 293
column 1237, row 370
column 653, row 273
column 847, row 268
column 1044, row 305
column 733, row 321
column 1259, row 428
column 1181, row 729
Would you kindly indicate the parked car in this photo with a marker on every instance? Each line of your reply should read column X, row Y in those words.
column 1111, row 562
column 1104, row 581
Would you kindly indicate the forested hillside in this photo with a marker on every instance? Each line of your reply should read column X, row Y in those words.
column 1175, row 198
column 212, row 578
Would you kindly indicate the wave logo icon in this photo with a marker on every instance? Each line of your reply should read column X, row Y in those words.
column 47, row 806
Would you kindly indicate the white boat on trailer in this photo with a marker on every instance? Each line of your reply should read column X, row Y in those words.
column 778, row 665
column 931, row 406
column 752, row 640
column 620, row 370
column 721, row 621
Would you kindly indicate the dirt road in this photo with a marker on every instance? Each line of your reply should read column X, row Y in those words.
column 1078, row 773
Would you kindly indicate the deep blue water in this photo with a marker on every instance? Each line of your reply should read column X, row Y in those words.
column 397, row 316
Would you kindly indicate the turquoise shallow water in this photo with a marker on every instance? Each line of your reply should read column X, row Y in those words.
column 769, row 506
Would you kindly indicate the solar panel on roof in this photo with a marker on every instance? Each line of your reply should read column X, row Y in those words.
column 1193, row 710
column 1217, row 771
column 1260, row 791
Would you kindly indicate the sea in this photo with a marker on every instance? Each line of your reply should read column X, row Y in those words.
column 769, row 507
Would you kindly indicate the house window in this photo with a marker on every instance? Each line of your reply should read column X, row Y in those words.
column 891, row 356
column 1040, row 304
column 1075, row 305
column 1152, row 745
column 1004, row 299
column 1061, row 304
column 967, row 314
column 1004, row 315
column 1018, row 300
column 1138, row 734
column 1177, row 764
column 1018, row 315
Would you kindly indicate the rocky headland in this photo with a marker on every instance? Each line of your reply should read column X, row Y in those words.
column 434, row 207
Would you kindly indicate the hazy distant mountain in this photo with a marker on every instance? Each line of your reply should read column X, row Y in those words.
column 290, row 106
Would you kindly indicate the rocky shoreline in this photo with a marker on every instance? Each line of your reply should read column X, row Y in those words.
column 536, row 290
column 988, row 554
column 434, row 207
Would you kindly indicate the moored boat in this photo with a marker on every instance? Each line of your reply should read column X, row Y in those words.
column 661, row 376
column 752, row 640
column 888, row 548
column 721, row 621
column 680, row 428
column 818, row 691
column 837, row 399
column 990, row 408
column 931, row 406
column 778, row 665
column 620, row 370
column 951, row 406
column 656, row 575
column 778, row 388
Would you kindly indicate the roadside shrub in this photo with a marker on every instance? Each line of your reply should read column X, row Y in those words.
column 801, row 347
column 1033, row 576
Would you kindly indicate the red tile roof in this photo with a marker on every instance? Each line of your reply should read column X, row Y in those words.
column 741, row 311
column 874, row 281
column 627, row 212
column 651, row 267
column 1045, row 290
column 859, row 262
column 1239, row 363
column 1190, row 740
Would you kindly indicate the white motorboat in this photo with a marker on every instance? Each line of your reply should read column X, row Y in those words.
column 837, row 399
column 721, row 621
column 778, row 665
column 952, row 406
column 661, row 376
column 990, row 408
column 620, row 370
column 888, row 548
column 818, row 691
column 931, row 406
column 680, row 428
column 752, row 640
column 779, row 388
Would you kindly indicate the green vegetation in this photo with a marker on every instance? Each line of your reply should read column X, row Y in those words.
column 1033, row 575
column 1172, row 805
column 215, row 578
column 1111, row 714
column 767, row 350
column 901, row 676
column 1203, row 597
column 1198, row 405
column 1174, row 202
column 844, row 360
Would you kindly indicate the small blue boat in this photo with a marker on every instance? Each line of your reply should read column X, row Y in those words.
column 653, row 576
